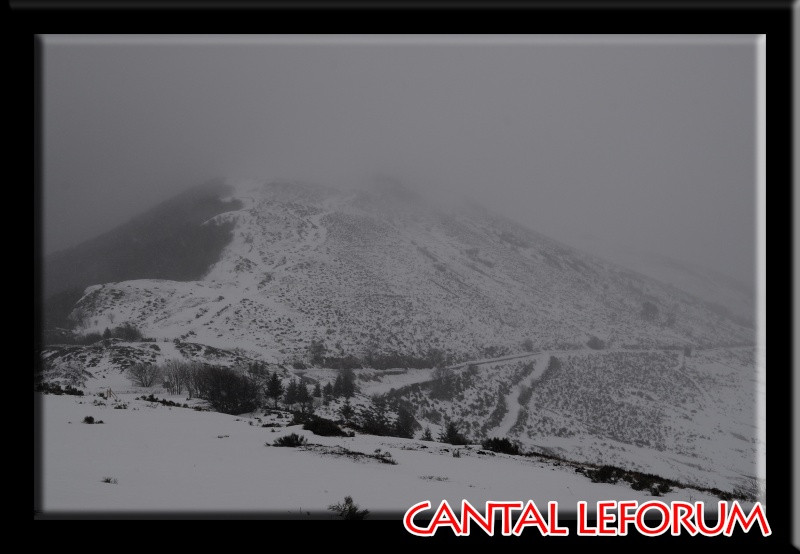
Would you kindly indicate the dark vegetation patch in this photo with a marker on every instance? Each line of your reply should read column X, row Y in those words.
column 503, row 446
column 379, row 455
column 55, row 388
column 290, row 441
column 323, row 427
column 162, row 401
column 640, row 481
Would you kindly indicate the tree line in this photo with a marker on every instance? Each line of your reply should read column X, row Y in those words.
column 318, row 355
column 241, row 389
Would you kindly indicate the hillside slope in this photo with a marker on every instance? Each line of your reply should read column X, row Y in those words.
column 381, row 270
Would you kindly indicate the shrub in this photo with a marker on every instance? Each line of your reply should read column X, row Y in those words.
column 348, row 509
column 443, row 384
column 227, row 391
column 347, row 411
column 527, row 345
column 660, row 489
column 504, row 446
column 451, row 435
column 342, row 362
column 162, row 401
column 87, row 339
column 595, row 343
column 274, row 388
column 323, row 427
column 111, row 480
column 126, row 332
column 55, row 388
column 432, row 415
column 644, row 481
column 405, row 424
column 553, row 365
column 525, row 394
column 345, row 383
column 427, row 436
column 656, row 485
column 316, row 351
column 456, row 453
column 383, row 456
column 88, row 419
column 374, row 420
column 605, row 474
column 292, row 441
column 649, row 311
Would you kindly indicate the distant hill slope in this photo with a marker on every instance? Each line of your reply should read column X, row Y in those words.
column 169, row 241
column 722, row 294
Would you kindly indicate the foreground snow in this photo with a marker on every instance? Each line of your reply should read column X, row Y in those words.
column 177, row 459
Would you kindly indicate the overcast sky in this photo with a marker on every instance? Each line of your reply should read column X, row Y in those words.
column 643, row 145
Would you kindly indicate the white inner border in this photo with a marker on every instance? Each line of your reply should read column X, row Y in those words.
column 761, row 250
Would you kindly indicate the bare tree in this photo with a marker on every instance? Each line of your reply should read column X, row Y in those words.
column 191, row 378
column 348, row 509
column 176, row 373
column 144, row 375
column 70, row 372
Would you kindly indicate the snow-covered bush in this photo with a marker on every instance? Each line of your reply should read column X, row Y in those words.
column 292, row 441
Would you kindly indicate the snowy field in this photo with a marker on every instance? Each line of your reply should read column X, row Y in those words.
column 177, row 459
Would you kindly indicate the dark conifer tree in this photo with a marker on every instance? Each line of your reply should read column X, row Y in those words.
column 274, row 388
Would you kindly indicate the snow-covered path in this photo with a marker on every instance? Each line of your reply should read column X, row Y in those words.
column 540, row 360
column 510, row 418
column 677, row 369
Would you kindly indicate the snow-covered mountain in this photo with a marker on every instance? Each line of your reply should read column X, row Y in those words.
column 375, row 270
column 303, row 276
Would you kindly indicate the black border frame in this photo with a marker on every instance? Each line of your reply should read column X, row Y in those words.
column 772, row 18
